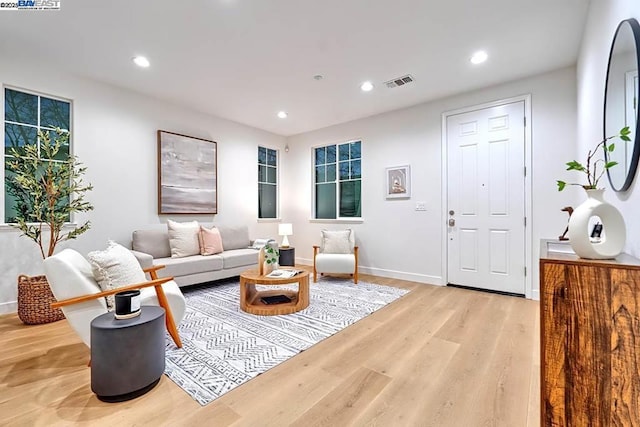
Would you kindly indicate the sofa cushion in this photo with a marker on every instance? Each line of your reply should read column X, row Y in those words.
column 210, row 241
column 239, row 258
column 234, row 237
column 115, row 267
column 152, row 242
column 176, row 267
column 183, row 238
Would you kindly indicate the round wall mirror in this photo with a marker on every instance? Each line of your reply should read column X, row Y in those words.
column 621, row 96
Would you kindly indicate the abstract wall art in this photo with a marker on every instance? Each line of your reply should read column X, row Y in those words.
column 187, row 174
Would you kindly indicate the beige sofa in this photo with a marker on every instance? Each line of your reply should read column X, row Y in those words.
column 151, row 247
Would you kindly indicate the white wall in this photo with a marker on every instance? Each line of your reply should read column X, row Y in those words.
column 397, row 241
column 604, row 17
column 114, row 135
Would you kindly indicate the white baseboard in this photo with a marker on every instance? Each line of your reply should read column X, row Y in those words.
column 8, row 307
column 392, row 274
column 402, row 275
column 304, row 261
column 535, row 295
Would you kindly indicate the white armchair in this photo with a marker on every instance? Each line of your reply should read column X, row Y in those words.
column 81, row 300
column 337, row 254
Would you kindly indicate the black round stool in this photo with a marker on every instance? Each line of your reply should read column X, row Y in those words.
column 127, row 356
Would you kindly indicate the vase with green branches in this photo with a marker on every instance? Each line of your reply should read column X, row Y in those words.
column 268, row 257
column 595, row 211
column 48, row 188
column 596, row 164
column 271, row 254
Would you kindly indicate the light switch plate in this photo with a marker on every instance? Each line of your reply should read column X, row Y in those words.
column 421, row 206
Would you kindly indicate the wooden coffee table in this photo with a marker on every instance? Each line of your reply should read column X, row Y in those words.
column 250, row 297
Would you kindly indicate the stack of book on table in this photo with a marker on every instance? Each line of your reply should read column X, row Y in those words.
column 283, row 274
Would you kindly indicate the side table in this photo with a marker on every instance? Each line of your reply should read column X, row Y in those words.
column 127, row 355
column 287, row 257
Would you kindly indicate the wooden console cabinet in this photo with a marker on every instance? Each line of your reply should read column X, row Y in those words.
column 590, row 341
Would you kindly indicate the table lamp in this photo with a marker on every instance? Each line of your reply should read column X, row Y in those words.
column 285, row 230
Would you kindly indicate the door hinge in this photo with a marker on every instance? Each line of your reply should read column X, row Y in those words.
column 525, row 171
column 525, row 271
column 525, row 120
column 525, row 221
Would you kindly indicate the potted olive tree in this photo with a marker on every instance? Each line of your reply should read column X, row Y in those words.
column 47, row 187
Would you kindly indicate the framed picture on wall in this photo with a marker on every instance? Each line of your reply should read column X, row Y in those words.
column 398, row 182
column 187, row 174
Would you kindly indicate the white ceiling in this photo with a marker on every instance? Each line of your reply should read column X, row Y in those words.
column 245, row 60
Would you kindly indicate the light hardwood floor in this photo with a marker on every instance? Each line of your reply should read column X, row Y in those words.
column 439, row 356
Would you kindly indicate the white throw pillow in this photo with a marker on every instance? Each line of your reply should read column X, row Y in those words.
column 337, row 242
column 183, row 238
column 115, row 267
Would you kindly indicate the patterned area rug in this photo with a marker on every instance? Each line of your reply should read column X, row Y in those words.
column 224, row 347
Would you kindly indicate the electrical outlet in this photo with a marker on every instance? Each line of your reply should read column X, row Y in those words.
column 421, row 206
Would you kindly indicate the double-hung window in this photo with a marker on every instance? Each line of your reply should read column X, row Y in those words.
column 267, row 183
column 338, row 181
column 26, row 113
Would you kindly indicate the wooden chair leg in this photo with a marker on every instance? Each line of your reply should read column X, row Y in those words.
column 171, row 324
column 355, row 272
column 168, row 316
column 315, row 272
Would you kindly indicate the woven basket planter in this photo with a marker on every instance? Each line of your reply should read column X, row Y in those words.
column 34, row 301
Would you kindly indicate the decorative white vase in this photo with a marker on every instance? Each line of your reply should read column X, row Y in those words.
column 268, row 268
column 612, row 223
column 264, row 267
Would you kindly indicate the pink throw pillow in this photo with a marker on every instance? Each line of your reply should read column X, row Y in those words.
column 210, row 241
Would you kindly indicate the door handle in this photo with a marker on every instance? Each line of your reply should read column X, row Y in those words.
column 452, row 222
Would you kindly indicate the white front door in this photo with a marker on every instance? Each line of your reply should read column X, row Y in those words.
column 486, row 201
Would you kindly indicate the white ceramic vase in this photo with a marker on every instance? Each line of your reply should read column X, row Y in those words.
column 615, row 231
column 268, row 268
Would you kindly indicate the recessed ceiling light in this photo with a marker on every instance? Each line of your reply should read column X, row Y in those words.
column 282, row 114
column 479, row 57
column 366, row 86
column 141, row 61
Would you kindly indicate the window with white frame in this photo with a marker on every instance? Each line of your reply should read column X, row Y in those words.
column 267, row 183
column 338, row 181
column 25, row 114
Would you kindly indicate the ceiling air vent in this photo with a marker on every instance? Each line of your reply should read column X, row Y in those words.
column 400, row 81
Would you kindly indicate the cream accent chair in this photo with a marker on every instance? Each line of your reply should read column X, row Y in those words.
column 337, row 254
column 81, row 299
